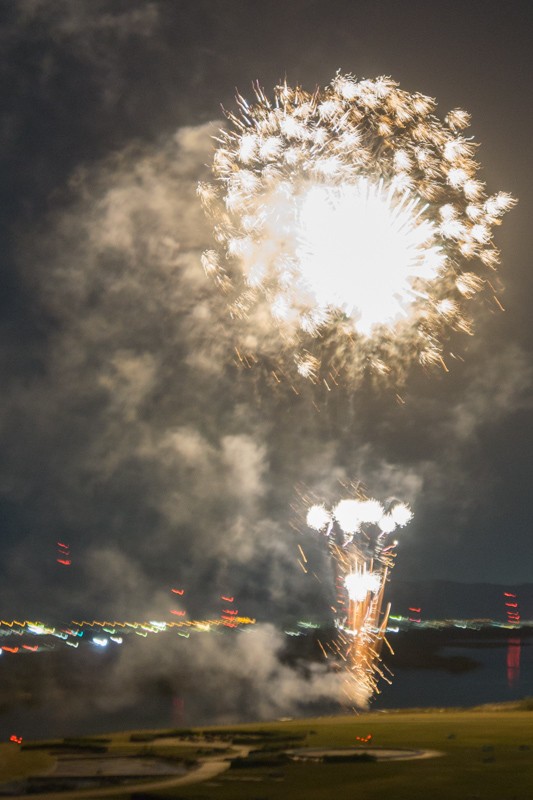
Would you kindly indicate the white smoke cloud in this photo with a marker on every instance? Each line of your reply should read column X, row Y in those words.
column 162, row 456
column 243, row 675
column 501, row 385
column 160, row 460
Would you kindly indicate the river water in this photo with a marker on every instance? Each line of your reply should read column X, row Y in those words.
column 503, row 672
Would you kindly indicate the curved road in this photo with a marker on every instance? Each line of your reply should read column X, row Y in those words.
column 207, row 769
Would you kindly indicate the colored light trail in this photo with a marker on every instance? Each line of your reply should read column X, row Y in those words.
column 102, row 632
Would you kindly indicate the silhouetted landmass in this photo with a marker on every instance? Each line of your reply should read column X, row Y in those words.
column 453, row 600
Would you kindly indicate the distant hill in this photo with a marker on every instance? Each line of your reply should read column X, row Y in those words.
column 449, row 599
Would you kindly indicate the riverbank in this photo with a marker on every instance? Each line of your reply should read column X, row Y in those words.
column 483, row 753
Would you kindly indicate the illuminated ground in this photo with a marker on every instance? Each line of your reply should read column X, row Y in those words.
column 485, row 754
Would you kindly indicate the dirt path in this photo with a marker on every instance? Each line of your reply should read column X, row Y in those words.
column 379, row 753
column 209, row 768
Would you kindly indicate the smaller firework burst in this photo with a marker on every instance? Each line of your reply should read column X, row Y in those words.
column 358, row 531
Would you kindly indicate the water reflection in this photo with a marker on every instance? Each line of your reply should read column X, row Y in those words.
column 513, row 662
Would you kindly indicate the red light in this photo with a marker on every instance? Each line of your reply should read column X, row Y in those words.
column 64, row 552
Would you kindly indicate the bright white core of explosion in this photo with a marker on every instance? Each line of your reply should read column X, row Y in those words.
column 359, row 584
column 359, row 247
column 350, row 514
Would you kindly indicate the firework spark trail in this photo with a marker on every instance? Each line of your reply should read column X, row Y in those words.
column 352, row 221
column 357, row 530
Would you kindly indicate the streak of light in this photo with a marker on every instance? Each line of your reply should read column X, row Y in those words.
column 303, row 554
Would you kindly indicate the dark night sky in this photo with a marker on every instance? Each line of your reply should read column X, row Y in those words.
column 126, row 430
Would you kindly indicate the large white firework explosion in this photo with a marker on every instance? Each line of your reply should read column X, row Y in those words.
column 358, row 530
column 354, row 218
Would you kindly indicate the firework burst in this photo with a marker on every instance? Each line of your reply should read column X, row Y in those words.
column 358, row 530
column 351, row 220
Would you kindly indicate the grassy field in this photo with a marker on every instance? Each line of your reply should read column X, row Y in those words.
column 17, row 763
column 486, row 754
